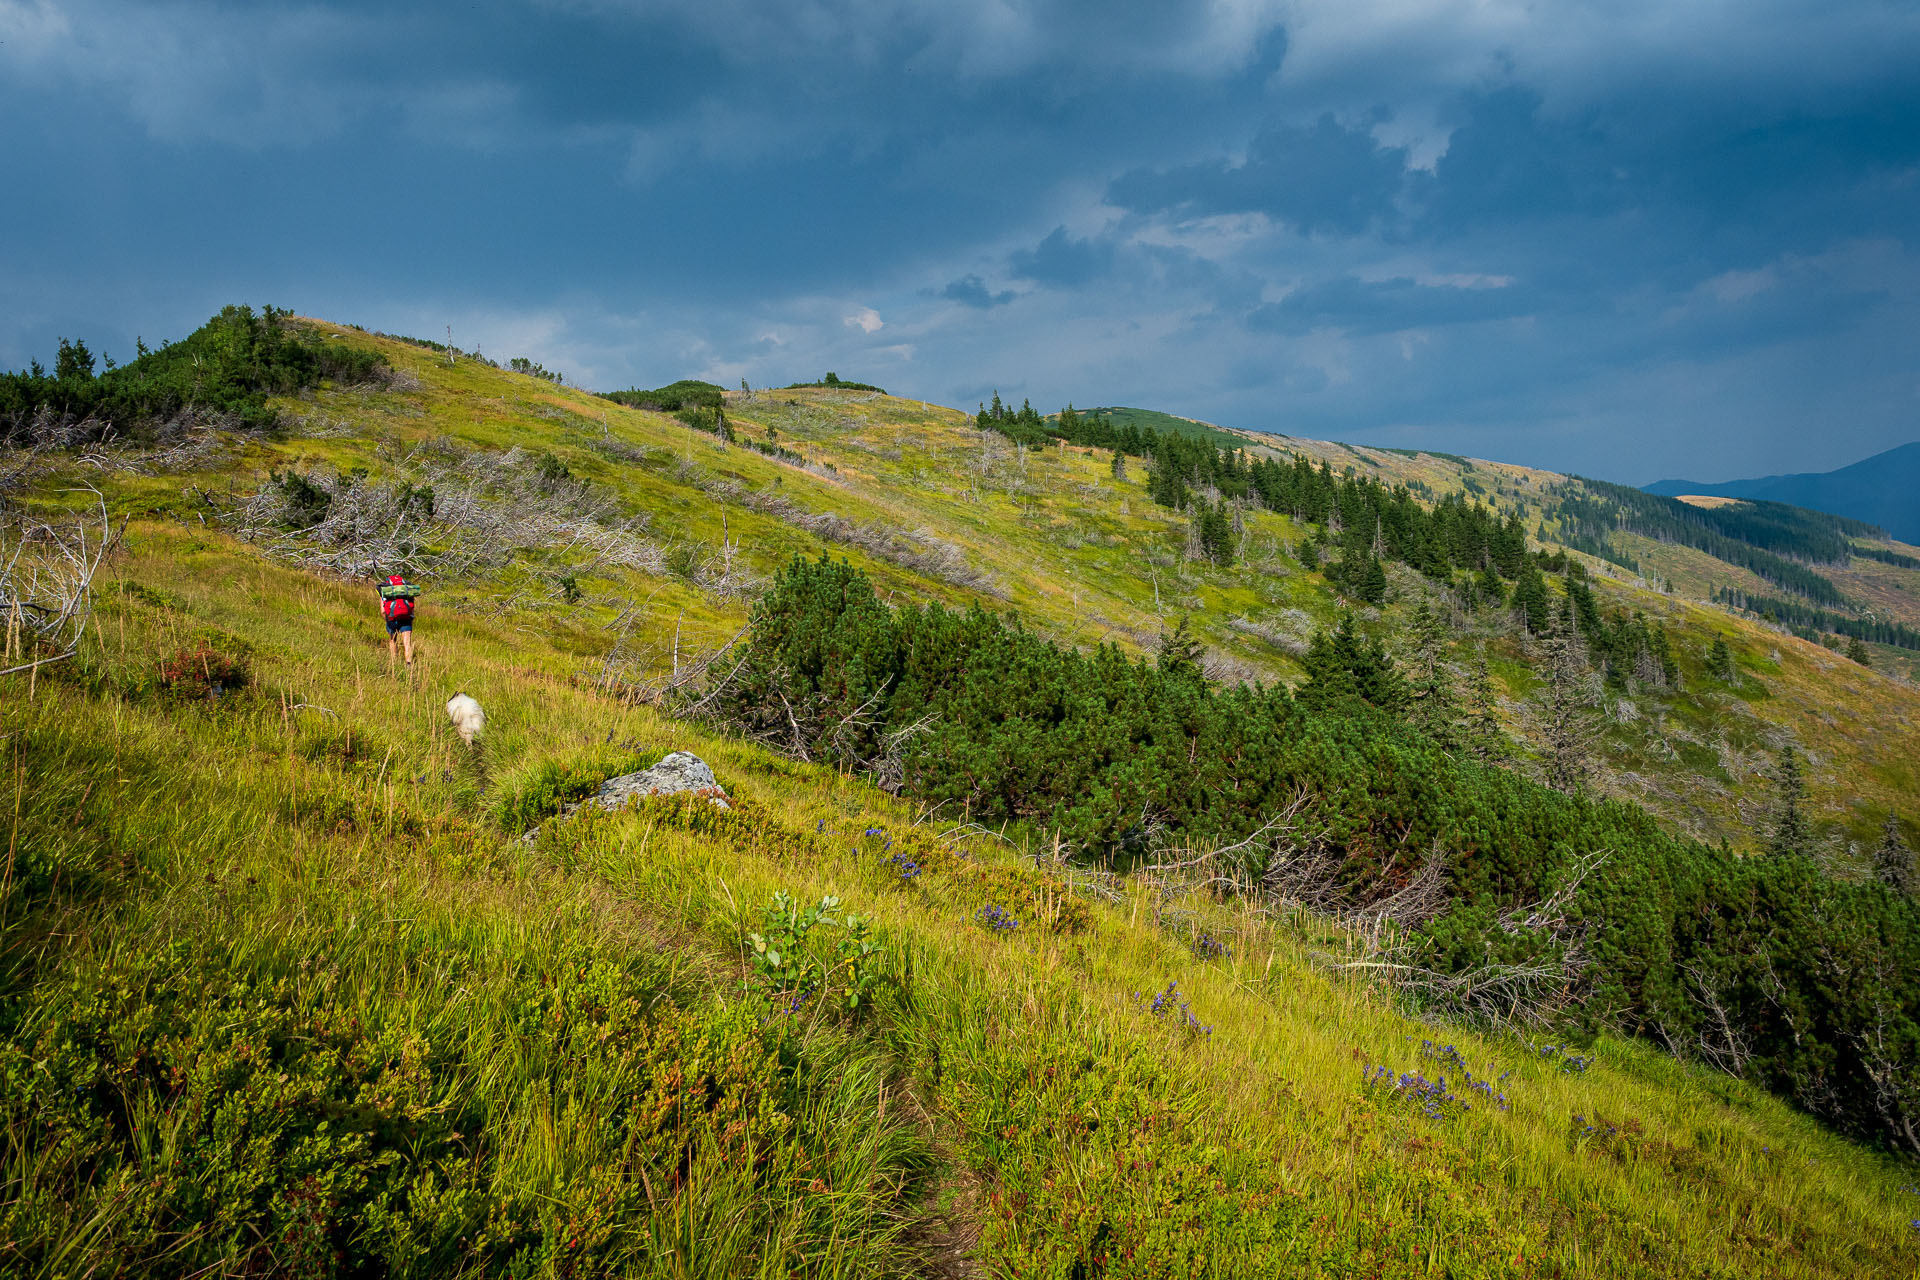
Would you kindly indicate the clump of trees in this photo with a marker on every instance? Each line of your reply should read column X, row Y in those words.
column 227, row 369
column 534, row 369
column 1764, row 966
column 834, row 382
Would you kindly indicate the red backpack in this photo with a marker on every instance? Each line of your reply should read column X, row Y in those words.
column 396, row 598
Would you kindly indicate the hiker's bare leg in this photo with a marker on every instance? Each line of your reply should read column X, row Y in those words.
column 406, row 638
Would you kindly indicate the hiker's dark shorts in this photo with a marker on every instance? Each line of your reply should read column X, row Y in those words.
column 396, row 625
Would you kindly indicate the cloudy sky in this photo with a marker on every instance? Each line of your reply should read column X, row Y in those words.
column 1633, row 238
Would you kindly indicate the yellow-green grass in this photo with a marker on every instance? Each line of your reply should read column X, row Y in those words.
column 1015, row 1080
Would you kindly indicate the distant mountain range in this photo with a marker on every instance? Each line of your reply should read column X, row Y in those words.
column 1882, row 490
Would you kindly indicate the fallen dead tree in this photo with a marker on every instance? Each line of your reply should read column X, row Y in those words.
column 1374, row 913
column 915, row 549
column 47, row 570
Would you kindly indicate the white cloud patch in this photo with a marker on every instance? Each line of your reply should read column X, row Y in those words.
column 866, row 320
column 1737, row 286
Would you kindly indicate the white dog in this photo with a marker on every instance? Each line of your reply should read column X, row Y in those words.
column 468, row 719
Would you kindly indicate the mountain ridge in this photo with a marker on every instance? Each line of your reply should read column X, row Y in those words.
column 1883, row 490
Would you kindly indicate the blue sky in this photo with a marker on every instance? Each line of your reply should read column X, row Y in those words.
column 1633, row 239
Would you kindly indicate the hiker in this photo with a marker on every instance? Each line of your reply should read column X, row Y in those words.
column 396, row 606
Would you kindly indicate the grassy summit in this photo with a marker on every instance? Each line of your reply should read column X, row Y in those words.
column 286, row 993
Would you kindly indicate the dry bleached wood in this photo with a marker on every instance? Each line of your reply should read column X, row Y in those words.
column 47, row 569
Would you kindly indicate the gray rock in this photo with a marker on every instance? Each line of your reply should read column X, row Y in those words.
column 681, row 771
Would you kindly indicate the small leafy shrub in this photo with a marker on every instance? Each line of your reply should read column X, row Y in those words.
column 202, row 673
column 552, row 785
column 314, row 1128
column 569, row 585
column 307, row 501
column 685, row 560
column 818, row 952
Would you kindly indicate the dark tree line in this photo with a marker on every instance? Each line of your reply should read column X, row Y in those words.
column 1762, row 965
column 1775, row 541
column 1808, row 622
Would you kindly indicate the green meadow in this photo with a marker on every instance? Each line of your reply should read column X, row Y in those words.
column 290, row 989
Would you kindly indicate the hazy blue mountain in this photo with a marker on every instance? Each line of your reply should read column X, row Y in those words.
column 1883, row 489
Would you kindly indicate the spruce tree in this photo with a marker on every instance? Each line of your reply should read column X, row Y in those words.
column 1343, row 665
column 1180, row 650
column 1720, row 661
column 1857, row 650
column 1373, row 582
column 1215, row 532
column 1792, row 836
column 1485, row 739
column 1567, row 714
column 1434, row 705
column 1530, row 599
column 1119, row 466
column 1893, row 861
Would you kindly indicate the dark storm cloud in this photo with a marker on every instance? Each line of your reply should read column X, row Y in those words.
column 972, row 291
column 1387, row 306
column 1323, row 178
column 1062, row 261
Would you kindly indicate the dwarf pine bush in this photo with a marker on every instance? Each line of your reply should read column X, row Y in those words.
column 1808, row 984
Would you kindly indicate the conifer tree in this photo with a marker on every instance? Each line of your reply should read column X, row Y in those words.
column 1489, row 588
column 1180, row 650
column 1434, row 705
column 1530, row 599
column 1216, row 533
column 1792, row 836
column 1893, row 861
column 1485, row 738
column 1857, row 651
column 1566, row 722
column 1373, row 583
column 1343, row 665
column 1720, row 661
column 1119, row 466
column 74, row 362
column 1663, row 654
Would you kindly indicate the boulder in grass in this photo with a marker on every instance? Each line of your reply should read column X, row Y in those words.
column 681, row 771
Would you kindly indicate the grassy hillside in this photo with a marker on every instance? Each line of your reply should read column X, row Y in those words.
column 287, row 993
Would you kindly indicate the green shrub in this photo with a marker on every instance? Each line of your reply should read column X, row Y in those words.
column 551, row 785
column 228, row 366
column 200, row 672
column 1816, row 980
column 190, row 1111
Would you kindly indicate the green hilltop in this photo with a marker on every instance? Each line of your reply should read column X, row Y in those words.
column 1150, row 849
